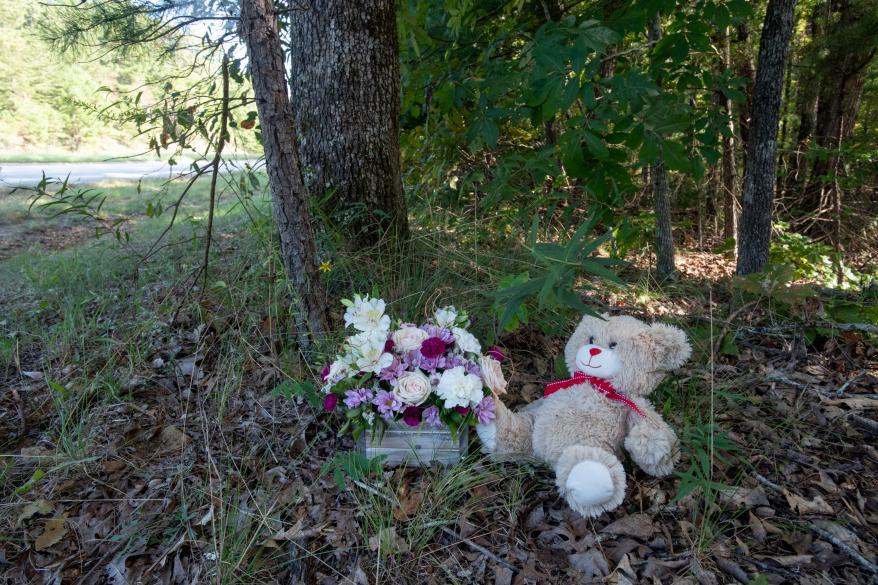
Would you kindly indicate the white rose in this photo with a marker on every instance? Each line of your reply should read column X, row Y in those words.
column 413, row 388
column 492, row 374
column 457, row 388
column 466, row 341
column 409, row 338
column 446, row 316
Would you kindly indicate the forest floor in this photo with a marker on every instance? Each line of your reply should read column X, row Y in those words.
column 142, row 439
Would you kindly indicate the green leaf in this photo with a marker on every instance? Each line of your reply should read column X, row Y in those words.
column 595, row 145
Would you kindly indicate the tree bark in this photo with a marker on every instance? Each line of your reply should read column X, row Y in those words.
column 346, row 96
column 661, row 193
column 729, row 164
column 745, row 69
column 754, row 235
column 299, row 255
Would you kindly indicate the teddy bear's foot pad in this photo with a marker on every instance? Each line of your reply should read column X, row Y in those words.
column 488, row 436
column 590, row 484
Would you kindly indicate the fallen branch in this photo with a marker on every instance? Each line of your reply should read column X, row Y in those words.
column 846, row 548
column 864, row 327
column 822, row 532
column 867, row 423
column 847, row 384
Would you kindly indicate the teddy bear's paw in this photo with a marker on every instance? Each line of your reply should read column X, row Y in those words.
column 655, row 453
column 589, row 484
column 488, row 436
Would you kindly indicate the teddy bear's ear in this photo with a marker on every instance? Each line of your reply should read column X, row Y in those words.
column 668, row 344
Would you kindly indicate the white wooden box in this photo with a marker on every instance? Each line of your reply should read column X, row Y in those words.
column 415, row 446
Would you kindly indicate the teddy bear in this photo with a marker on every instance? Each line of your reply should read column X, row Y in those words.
column 579, row 425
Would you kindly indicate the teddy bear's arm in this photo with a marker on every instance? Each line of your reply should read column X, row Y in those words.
column 509, row 434
column 650, row 441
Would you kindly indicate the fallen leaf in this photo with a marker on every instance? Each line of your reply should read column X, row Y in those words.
column 816, row 506
column 789, row 560
column 591, row 564
column 41, row 507
column 636, row 525
column 33, row 375
column 290, row 533
column 744, row 497
column 53, row 533
column 172, row 438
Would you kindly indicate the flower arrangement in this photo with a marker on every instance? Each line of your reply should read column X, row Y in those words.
column 430, row 374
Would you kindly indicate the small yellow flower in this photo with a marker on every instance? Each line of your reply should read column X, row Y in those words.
column 326, row 266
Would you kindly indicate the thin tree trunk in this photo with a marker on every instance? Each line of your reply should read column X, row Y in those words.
column 746, row 70
column 759, row 177
column 729, row 165
column 661, row 193
column 282, row 162
column 346, row 97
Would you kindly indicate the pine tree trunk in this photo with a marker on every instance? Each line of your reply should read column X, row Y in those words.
column 661, row 194
column 346, row 97
column 729, row 165
column 754, row 234
column 282, row 162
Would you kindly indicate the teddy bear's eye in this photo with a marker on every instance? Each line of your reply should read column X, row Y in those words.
column 613, row 345
column 591, row 340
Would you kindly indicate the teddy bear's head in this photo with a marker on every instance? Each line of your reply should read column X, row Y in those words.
column 631, row 354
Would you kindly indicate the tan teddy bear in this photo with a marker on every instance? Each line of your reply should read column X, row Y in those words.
column 580, row 424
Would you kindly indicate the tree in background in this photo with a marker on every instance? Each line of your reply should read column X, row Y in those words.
column 661, row 191
column 259, row 33
column 345, row 93
column 754, row 236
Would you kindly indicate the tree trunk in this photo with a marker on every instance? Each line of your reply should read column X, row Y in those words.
column 661, row 193
column 745, row 69
column 754, row 234
column 729, row 165
column 282, row 163
column 346, row 96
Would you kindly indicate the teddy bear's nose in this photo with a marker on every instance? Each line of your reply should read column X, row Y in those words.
column 594, row 351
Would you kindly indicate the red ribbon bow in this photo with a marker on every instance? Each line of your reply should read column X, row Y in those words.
column 599, row 384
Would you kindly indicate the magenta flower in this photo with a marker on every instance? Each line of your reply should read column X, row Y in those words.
column 431, row 416
column 486, row 410
column 330, row 402
column 388, row 346
column 441, row 332
column 387, row 404
column 462, row 410
column 357, row 396
column 496, row 353
column 324, row 373
column 432, row 347
column 412, row 416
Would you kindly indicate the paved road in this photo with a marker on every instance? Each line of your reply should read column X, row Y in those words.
column 29, row 174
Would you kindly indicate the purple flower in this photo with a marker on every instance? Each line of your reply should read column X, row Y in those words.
column 387, row 404
column 330, row 402
column 496, row 353
column 486, row 410
column 472, row 368
column 462, row 410
column 412, row 416
column 431, row 416
column 432, row 347
column 441, row 332
column 393, row 371
column 324, row 373
column 453, row 361
column 357, row 396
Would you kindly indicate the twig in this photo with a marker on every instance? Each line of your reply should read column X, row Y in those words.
column 822, row 532
column 479, row 548
column 217, row 158
column 728, row 324
column 846, row 385
column 844, row 547
column 865, row 327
